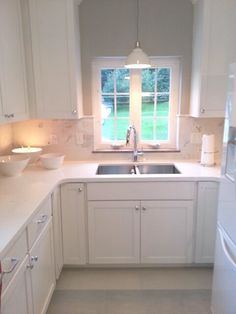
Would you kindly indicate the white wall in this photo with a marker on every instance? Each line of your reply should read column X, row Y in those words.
column 108, row 28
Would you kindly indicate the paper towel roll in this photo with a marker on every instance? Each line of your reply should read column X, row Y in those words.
column 208, row 150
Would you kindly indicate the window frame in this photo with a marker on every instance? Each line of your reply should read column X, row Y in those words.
column 136, row 99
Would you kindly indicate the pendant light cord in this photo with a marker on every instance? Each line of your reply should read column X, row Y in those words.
column 138, row 22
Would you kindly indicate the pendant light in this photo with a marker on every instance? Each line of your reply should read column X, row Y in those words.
column 137, row 59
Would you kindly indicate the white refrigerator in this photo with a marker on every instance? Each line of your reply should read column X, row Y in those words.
column 224, row 278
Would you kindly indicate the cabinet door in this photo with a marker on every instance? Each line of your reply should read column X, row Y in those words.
column 166, row 232
column 213, row 51
column 17, row 297
column 57, row 231
column 56, row 58
column 43, row 272
column 12, row 62
column 73, row 223
column 207, row 203
column 114, row 231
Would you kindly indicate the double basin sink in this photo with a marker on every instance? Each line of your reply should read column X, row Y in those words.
column 124, row 169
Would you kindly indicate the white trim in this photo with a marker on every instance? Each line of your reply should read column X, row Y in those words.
column 135, row 97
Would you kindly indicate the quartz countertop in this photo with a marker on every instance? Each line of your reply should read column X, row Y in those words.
column 21, row 196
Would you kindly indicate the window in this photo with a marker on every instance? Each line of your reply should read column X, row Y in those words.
column 147, row 99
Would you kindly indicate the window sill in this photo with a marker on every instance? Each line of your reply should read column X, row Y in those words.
column 157, row 150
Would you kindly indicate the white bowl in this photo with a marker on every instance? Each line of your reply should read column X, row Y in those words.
column 12, row 165
column 32, row 153
column 52, row 161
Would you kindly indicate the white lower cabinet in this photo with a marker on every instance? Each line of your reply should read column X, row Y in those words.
column 57, row 231
column 207, row 202
column 73, row 223
column 166, row 232
column 42, row 272
column 140, row 231
column 114, row 230
column 17, row 297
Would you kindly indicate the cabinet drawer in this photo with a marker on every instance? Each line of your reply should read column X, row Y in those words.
column 141, row 190
column 13, row 259
column 39, row 221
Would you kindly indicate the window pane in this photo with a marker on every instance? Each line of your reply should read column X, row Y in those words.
column 122, row 103
column 107, row 80
column 163, row 80
column 108, row 130
column 162, row 105
column 147, row 129
column 122, row 126
column 148, row 106
column 162, row 129
column 107, row 107
column 148, row 80
column 122, row 80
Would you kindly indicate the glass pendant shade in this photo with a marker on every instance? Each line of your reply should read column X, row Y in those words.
column 137, row 59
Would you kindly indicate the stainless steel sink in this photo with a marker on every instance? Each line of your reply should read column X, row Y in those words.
column 158, row 169
column 137, row 169
column 115, row 169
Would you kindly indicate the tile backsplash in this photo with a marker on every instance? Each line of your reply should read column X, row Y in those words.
column 74, row 138
column 5, row 138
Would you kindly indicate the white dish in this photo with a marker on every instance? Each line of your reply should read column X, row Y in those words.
column 12, row 165
column 32, row 153
column 52, row 160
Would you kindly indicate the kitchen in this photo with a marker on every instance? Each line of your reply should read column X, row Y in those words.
column 51, row 97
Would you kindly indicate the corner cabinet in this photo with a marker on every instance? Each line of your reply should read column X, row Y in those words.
column 152, row 224
column 13, row 86
column 207, row 203
column 54, row 28
column 214, row 48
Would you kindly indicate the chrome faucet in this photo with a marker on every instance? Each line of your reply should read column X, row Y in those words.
column 136, row 153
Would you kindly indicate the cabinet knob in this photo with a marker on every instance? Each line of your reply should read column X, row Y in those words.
column 42, row 219
column 202, row 110
column 34, row 258
column 74, row 111
column 80, row 189
column 30, row 266
column 144, row 208
column 136, row 207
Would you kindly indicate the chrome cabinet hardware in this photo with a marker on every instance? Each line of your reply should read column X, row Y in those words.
column 137, row 207
column 80, row 189
column 30, row 266
column 144, row 208
column 42, row 220
column 34, row 258
column 202, row 110
column 74, row 111
column 14, row 262
column 12, row 115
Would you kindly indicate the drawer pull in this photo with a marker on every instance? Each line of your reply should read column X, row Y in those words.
column 144, row 208
column 42, row 220
column 14, row 262
column 80, row 189
column 136, row 207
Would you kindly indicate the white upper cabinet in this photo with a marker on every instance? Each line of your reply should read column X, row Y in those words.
column 13, row 88
column 213, row 50
column 56, row 59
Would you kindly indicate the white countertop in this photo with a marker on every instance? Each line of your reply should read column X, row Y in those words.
column 20, row 196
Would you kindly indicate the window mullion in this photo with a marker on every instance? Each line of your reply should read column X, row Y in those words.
column 115, row 108
column 136, row 99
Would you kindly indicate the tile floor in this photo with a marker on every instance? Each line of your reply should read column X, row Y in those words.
column 133, row 291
